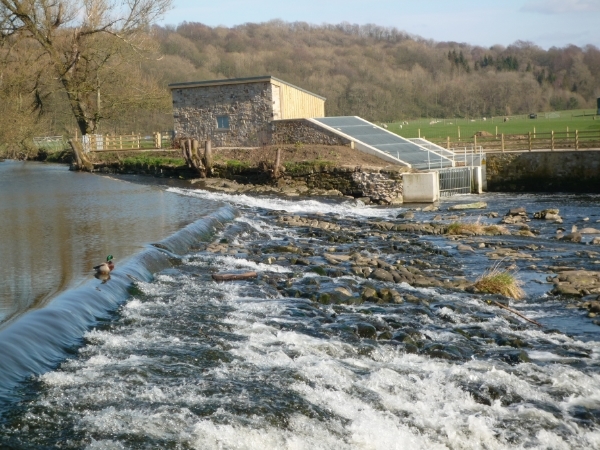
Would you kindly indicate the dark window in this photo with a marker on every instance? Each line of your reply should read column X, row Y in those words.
column 223, row 122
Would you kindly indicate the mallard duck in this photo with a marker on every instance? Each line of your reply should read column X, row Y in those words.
column 105, row 267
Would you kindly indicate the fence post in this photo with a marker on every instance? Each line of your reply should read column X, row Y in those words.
column 120, row 142
column 502, row 142
column 576, row 139
column 419, row 133
column 552, row 140
column 529, row 136
column 448, row 142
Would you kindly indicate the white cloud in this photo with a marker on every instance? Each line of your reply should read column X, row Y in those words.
column 561, row 6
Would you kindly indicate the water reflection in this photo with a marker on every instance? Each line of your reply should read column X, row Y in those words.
column 104, row 277
column 56, row 225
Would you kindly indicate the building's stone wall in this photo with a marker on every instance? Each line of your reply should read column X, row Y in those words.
column 567, row 171
column 249, row 108
column 304, row 131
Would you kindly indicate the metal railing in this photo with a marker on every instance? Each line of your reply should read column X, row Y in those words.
column 455, row 180
column 128, row 142
column 50, row 143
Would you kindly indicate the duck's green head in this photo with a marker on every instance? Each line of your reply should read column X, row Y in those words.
column 109, row 258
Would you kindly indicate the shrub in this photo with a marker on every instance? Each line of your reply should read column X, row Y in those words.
column 500, row 281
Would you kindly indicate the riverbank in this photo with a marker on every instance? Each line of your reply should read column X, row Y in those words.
column 304, row 170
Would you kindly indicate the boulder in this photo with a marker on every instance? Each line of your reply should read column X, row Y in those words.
column 381, row 275
column 366, row 330
column 571, row 237
column 547, row 214
column 520, row 211
column 462, row 206
column 589, row 230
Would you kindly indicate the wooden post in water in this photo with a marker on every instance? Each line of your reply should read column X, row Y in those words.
column 529, row 136
column 277, row 163
column 502, row 142
column 576, row 139
column 187, row 151
column 208, row 159
column 552, row 140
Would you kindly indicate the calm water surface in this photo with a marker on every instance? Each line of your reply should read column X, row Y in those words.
column 57, row 224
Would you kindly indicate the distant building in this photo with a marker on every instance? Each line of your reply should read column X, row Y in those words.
column 239, row 112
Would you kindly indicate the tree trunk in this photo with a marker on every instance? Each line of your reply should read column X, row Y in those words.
column 82, row 161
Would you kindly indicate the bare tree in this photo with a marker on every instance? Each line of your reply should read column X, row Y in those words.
column 84, row 45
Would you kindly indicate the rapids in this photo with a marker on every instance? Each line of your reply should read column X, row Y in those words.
column 176, row 360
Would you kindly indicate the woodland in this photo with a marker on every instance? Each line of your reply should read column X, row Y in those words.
column 381, row 74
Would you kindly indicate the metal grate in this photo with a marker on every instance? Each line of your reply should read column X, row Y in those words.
column 455, row 180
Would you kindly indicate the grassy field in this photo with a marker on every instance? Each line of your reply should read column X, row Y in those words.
column 582, row 120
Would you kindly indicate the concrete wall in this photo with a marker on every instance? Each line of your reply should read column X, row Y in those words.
column 566, row 171
column 421, row 187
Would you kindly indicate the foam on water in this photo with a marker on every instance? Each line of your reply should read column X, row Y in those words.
column 191, row 363
column 378, row 399
column 345, row 208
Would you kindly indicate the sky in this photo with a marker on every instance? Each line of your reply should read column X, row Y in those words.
column 546, row 23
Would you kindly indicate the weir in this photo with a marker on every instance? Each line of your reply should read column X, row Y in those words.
column 38, row 340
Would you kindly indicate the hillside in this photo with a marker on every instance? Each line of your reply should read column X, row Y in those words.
column 381, row 74
column 384, row 74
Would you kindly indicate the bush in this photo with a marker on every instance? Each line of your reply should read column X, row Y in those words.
column 500, row 281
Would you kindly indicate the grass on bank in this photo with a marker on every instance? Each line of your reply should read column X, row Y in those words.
column 500, row 281
column 558, row 121
column 152, row 161
column 303, row 167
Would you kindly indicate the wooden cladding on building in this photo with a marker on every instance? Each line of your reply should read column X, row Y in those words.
column 295, row 103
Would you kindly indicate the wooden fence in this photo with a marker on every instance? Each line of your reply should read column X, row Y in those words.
column 554, row 140
column 128, row 142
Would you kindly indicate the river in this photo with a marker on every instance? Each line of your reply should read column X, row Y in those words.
column 161, row 356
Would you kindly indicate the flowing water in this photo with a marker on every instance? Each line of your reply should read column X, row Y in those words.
column 161, row 356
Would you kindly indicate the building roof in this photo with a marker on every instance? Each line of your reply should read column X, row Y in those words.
column 265, row 78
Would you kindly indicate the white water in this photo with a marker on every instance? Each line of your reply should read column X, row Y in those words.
column 141, row 383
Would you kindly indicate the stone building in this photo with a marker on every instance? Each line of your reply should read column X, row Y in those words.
column 240, row 112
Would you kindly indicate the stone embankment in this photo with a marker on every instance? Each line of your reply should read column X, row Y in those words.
column 379, row 186
column 558, row 171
